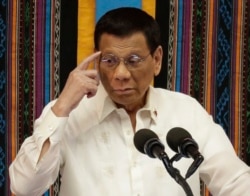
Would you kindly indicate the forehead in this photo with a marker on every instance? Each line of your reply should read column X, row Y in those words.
column 135, row 42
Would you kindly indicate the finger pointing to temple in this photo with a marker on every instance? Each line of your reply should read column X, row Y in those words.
column 85, row 63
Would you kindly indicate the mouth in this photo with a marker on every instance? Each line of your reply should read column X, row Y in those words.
column 125, row 91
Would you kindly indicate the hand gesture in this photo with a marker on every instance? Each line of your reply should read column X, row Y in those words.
column 81, row 81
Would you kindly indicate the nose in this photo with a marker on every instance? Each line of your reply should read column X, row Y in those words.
column 122, row 72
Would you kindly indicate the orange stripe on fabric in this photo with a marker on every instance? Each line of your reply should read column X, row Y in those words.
column 237, row 65
column 86, row 24
column 209, row 55
column 13, row 65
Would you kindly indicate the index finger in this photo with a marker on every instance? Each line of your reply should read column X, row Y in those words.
column 85, row 63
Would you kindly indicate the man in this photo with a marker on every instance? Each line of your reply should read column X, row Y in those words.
column 87, row 133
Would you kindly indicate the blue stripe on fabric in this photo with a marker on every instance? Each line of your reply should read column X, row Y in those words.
column 47, row 51
column 47, row 59
column 179, row 46
column 103, row 6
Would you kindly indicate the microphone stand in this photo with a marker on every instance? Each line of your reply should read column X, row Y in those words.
column 175, row 173
column 196, row 163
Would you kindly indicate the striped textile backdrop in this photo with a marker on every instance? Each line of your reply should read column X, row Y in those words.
column 206, row 54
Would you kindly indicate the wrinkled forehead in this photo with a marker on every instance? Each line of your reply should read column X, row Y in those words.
column 135, row 41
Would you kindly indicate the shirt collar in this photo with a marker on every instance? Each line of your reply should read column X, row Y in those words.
column 151, row 103
column 107, row 106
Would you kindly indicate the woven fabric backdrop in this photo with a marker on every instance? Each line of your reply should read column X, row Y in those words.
column 206, row 55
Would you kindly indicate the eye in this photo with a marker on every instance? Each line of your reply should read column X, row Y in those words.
column 133, row 60
column 109, row 60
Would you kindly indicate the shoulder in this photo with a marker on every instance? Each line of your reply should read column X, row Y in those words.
column 165, row 95
column 176, row 103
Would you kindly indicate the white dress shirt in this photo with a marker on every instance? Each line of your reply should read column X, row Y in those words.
column 94, row 151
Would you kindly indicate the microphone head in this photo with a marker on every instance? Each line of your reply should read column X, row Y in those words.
column 176, row 136
column 141, row 137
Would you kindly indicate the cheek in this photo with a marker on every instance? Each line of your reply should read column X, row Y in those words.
column 105, row 77
column 145, row 78
column 149, row 73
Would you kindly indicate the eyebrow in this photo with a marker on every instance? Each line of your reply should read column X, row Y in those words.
column 131, row 54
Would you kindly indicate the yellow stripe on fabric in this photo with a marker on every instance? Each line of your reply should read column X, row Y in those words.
column 209, row 56
column 236, row 128
column 149, row 7
column 13, row 86
column 86, row 24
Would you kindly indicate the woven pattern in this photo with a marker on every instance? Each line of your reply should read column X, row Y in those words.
column 208, row 58
column 30, row 65
column 3, row 94
column 206, row 55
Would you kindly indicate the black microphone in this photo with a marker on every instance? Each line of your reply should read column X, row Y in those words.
column 147, row 142
column 180, row 141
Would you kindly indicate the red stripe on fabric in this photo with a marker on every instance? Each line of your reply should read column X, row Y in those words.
column 186, row 47
column 39, row 60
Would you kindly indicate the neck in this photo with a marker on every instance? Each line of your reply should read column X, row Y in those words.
column 132, row 110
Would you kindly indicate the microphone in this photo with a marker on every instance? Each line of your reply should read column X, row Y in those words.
column 180, row 141
column 147, row 142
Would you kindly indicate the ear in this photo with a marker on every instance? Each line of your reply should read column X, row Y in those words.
column 158, row 54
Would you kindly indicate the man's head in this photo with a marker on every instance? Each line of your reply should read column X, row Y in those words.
column 125, row 21
column 131, row 54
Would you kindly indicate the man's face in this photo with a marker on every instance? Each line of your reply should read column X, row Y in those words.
column 127, row 83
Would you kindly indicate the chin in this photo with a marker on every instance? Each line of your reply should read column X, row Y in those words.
column 121, row 101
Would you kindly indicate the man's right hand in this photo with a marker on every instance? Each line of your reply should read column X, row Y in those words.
column 80, row 82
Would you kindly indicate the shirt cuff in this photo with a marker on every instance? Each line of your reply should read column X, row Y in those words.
column 51, row 127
